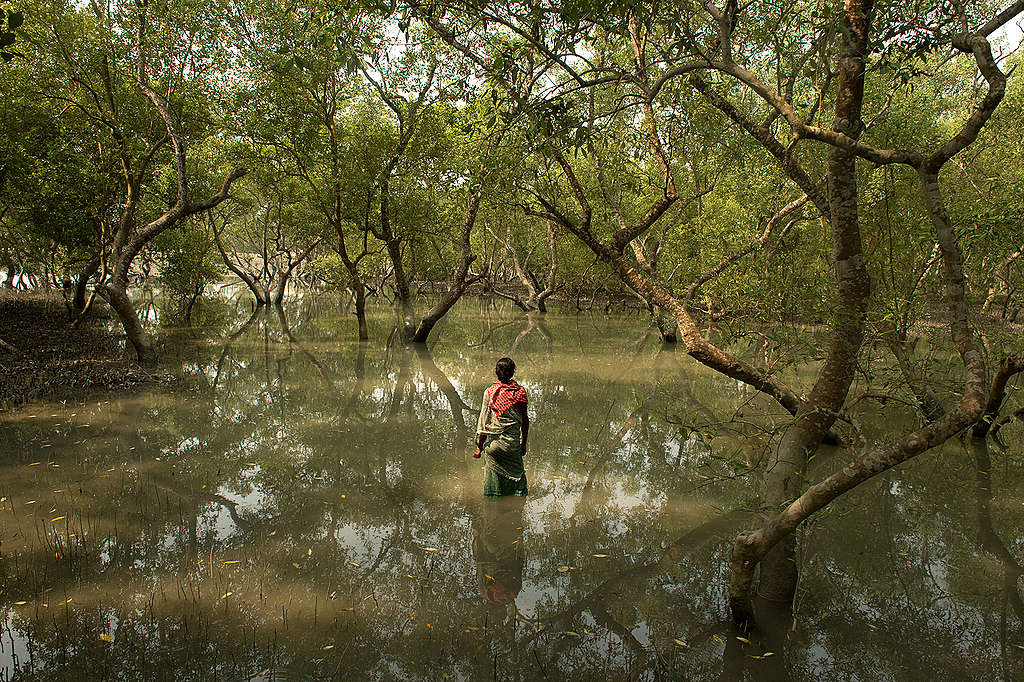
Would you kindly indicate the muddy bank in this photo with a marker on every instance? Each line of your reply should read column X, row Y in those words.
column 41, row 357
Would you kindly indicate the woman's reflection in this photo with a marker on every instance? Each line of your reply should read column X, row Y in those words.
column 498, row 549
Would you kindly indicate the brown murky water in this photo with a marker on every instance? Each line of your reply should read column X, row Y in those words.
column 300, row 506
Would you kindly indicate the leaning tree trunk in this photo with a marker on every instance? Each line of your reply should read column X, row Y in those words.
column 785, row 468
column 116, row 291
column 460, row 279
column 751, row 548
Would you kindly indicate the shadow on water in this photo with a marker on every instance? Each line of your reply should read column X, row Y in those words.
column 303, row 506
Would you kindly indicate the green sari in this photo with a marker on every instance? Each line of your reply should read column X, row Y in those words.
column 502, row 451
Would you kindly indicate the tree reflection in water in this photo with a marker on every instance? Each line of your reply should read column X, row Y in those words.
column 307, row 505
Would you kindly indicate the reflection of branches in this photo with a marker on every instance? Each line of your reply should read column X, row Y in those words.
column 533, row 323
column 444, row 384
column 588, row 495
column 231, row 342
column 722, row 526
column 990, row 540
column 298, row 344
column 490, row 333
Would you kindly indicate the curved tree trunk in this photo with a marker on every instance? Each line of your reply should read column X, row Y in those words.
column 460, row 279
column 79, row 298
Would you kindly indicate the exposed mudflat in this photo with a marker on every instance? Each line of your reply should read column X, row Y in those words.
column 42, row 357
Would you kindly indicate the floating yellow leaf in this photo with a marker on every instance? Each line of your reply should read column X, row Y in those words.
column 429, row 626
column 489, row 577
column 717, row 638
column 57, row 519
column 679, row 642
column 471, row 628
column 430, row 549
column 767, row 654
column 563, row 569
column 295, row 564
column 902, row 554
column 309, row 552
column 31, row 502
column 33, row 464
column 226, row 595
column 744, row 640
column 327, row 648
column 233, row 561
column 20, row 603
column 600, row 556
column 264, row 672
column 352, row 563
column 106, row 638
column 273, row 533
column 343, row 497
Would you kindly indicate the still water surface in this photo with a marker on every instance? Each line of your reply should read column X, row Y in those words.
column 300, row 506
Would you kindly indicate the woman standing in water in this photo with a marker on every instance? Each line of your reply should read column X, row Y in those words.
column 501, row 433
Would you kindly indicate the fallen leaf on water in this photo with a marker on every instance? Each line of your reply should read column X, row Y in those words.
column 327, row 648
column 717, row 638
column 33, row 464
column 295, row 564
column 409, row 575
column 563, row 569
column 430, row 549
column 744, row 640
column 31, row 502
column 233, row 561
column 309, row 552
column 600, row 556
column 106, row 638
column 273, row 533
column 352, row 563
column 429, row 626
column 263, row 672
column 343, row 497
column 767, row 654
column 902, row 554
column 471, row 628
column 226, row 595
column 489, row 577
column 20, row 603
column 57, row 519
column 681, row 643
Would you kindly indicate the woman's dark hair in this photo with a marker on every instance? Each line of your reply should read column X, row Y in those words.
column 505, row 369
